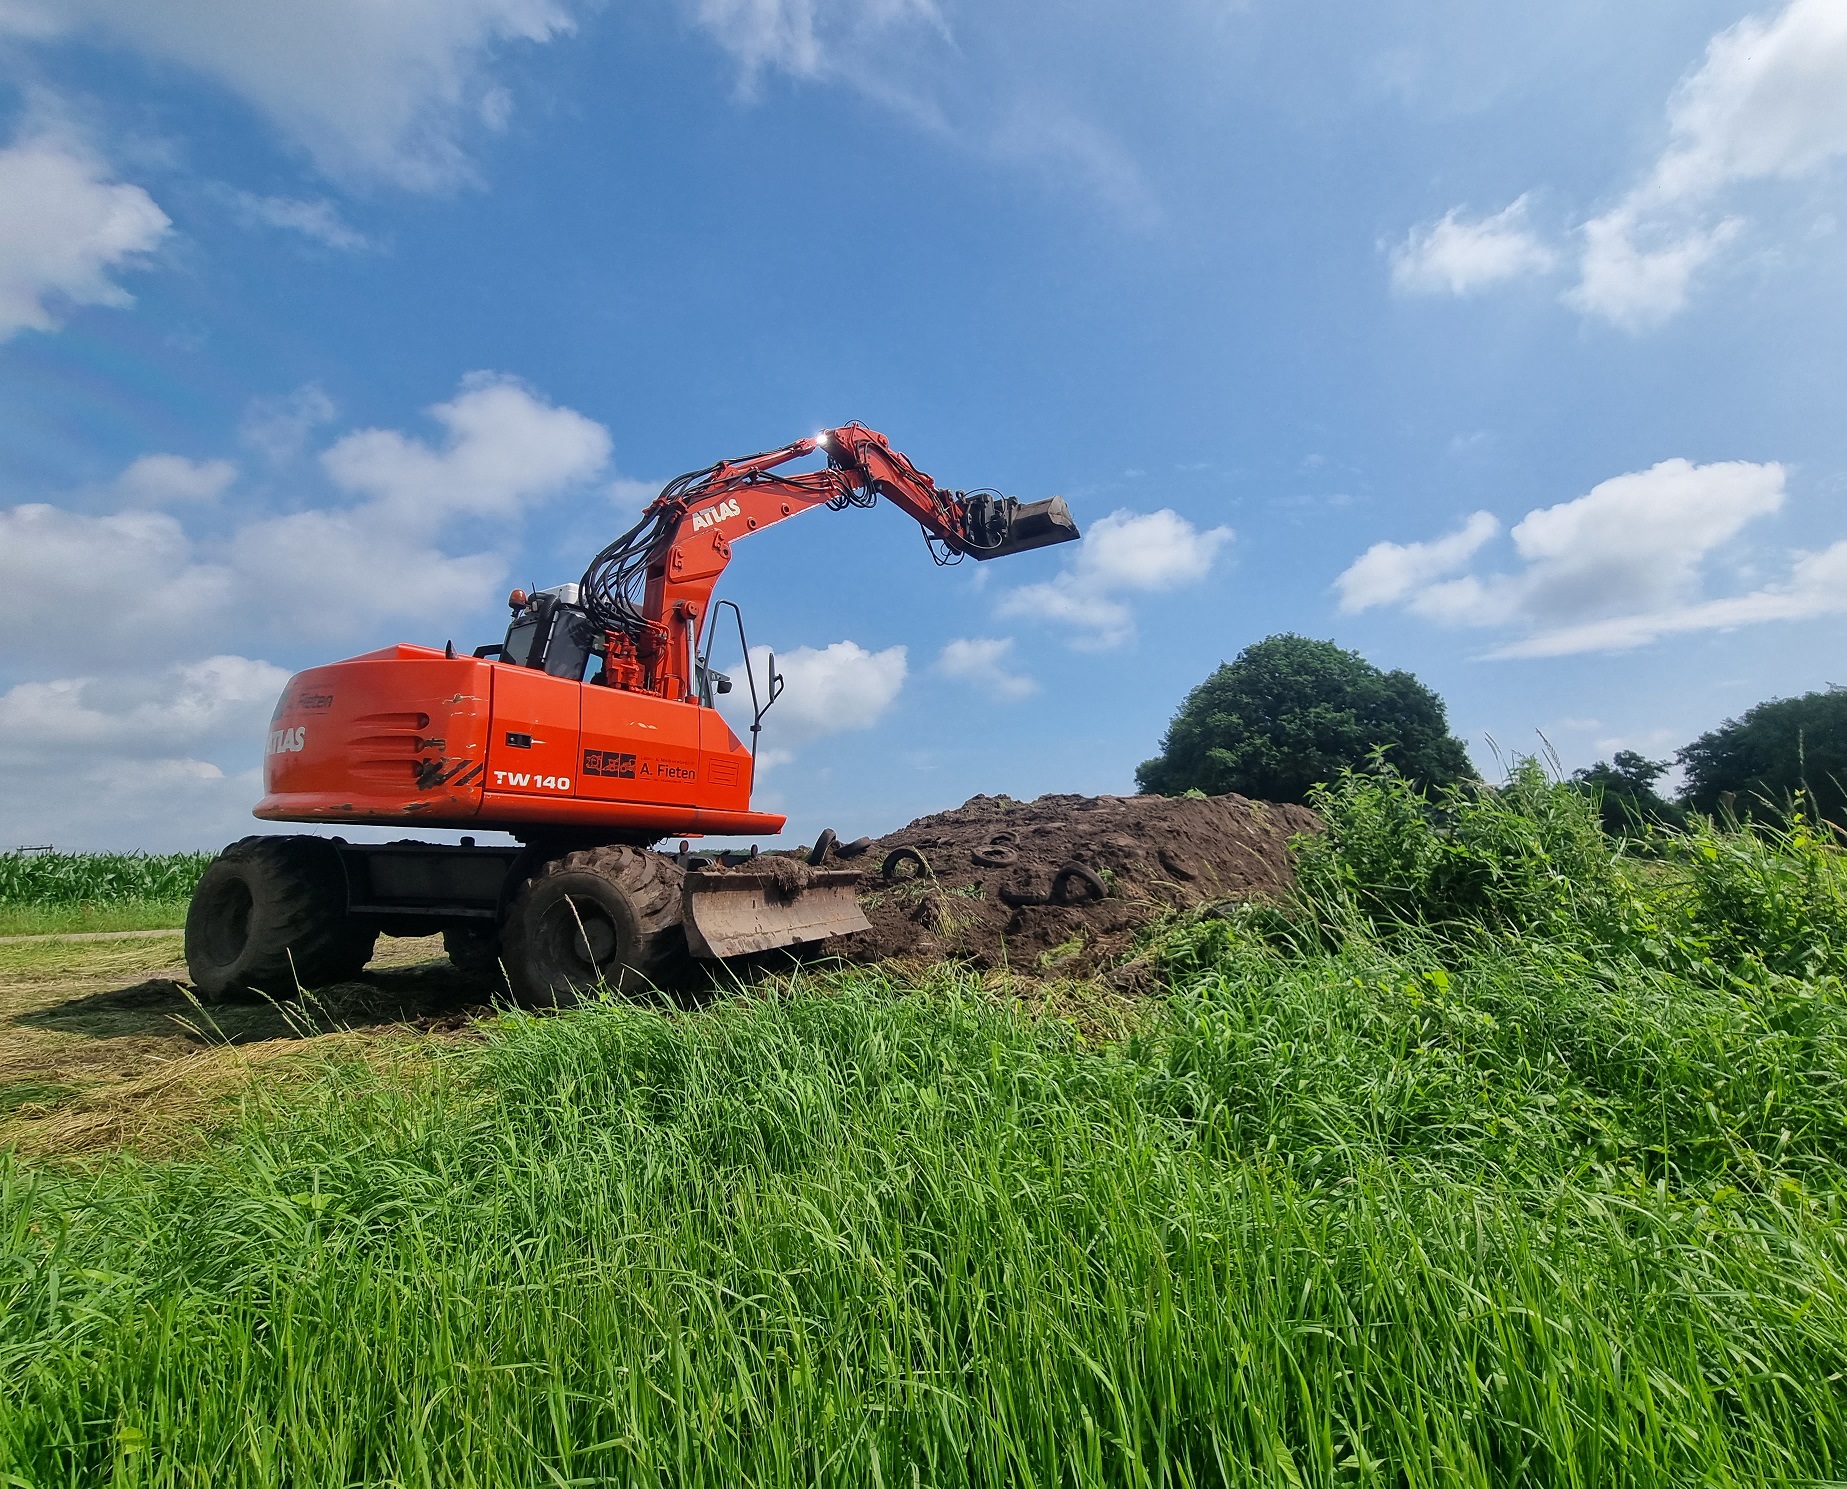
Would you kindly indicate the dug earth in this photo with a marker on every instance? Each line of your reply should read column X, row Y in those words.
column 1060, row 885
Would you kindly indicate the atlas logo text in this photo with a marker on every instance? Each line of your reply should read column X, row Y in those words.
column 726, row 508
column 287, row 741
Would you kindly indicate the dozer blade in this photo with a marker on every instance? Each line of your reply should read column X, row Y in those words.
column 730, row 913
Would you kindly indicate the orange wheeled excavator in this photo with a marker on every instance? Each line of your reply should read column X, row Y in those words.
column 589, row 734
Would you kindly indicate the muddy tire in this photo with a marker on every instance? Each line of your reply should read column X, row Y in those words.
column 603, row 915
column 475, row 954
column 269, row 915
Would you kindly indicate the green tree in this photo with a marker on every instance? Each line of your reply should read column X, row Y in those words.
column 1290, row 714
column 1624, row 791
column 1755, row 765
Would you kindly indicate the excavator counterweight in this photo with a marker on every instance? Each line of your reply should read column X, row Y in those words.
column 590, row 732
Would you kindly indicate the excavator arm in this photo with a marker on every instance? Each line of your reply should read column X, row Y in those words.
column 649, row 592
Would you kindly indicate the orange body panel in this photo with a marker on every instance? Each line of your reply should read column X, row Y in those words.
column 408, row 734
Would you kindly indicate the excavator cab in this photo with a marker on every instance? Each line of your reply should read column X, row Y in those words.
column 549, row 632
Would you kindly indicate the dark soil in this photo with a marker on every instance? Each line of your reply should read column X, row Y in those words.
column 989, row 892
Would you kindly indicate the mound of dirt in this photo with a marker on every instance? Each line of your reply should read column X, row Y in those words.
column 1060, row 886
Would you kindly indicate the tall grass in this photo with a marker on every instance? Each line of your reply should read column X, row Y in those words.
column 1499, row 1182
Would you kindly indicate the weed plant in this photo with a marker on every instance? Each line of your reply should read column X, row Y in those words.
column 1488, row 1160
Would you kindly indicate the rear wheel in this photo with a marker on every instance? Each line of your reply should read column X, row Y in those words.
column 269, row 915
column 475, row 953
column 600, row 916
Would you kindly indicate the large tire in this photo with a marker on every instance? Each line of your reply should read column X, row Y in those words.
column 603, row 915
column 475, row 953
column 269, row 915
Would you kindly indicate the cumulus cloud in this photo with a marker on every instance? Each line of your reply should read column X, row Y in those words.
column 1767, row 102
column 1124, row 554
column 322, row 572
column 136, row 574
column 982, row 663
column 1615, row 568
column 1457, row 256
column 157, row 480
column 369, row 89
column 186, row 707
column 827, row 690
column 1387, row 572
column 66, row 229
column 505, row 448
column 130, row 755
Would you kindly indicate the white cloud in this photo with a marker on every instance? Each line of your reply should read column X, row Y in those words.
column 330, row 573
column 1635, row 285
column 1387, row 572
column 65, row 229
column 156, row 806
column 505, row 449
column 370, row 89
column 320, row 572
column 156, row 480
column 1618, row 567
column 1768, row 101
column 1122, row 554
column 185, row 707
column 280, row 427
column 830, row 690
column 1458, row 257
column 134, row 576
column 1817, row 586
column 982, row 662
column 317, row 219
column 115, row 761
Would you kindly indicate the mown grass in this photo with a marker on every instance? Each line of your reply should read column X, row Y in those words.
column 81, row 919
column 1428, row 1186
column 48, row 893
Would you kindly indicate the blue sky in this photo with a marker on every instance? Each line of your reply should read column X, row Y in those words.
column 1503, row 344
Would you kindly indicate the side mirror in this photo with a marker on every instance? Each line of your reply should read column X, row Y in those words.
column 721, row 684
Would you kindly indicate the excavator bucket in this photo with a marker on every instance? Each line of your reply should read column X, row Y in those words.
column 770, row 903
column 1031, row 525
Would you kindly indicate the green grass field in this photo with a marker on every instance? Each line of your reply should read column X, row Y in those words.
column 1489, row 1160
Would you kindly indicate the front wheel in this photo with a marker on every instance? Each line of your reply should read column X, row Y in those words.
column 269, row 915
column 601, row 917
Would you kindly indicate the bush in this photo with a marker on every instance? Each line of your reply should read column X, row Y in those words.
column 1529, row 856
column 1290, row 714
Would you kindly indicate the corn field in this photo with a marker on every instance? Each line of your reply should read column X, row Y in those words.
column 97, row 878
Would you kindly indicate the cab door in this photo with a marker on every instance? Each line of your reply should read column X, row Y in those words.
column 532, row 745
column 724, row 763
column 641, row 748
